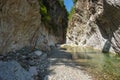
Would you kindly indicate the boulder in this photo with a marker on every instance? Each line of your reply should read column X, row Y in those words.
column 12, row 70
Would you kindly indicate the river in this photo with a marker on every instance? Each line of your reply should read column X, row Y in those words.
column 102, row 66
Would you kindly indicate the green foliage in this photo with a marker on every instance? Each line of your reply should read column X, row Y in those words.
column 46, row 18
column 61, row 2
column 44, row 12
column 74, row 1
column 72, row 10
column 71, row 13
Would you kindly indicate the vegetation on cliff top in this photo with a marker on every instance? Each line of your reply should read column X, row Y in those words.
column 71, row 13
column 44, row 12
column 74, row 1
column 72, row 10
column 45, row 17
column 61, row 2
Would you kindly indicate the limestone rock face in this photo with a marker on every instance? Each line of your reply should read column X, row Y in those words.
column 96, row 23
column 21, row 25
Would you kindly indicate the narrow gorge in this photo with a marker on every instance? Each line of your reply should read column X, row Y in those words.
column 41, row 40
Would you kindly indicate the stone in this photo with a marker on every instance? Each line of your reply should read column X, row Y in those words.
column 43, row 57
column 34, row 65
column 33, row 70
column 12, row 70
column 38, row 53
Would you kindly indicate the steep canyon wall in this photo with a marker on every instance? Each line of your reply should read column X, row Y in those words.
column 22, row 24
column 96, row 23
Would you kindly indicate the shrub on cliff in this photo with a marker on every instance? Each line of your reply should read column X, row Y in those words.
column 72, row 10
column 44, row 12
column 71, row 13
column 61, row 2
column 74, row 1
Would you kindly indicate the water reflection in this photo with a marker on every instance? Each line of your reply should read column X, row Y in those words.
column 101, row 66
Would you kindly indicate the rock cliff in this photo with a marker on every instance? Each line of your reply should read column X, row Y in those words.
column 31, row 23
column 96, row 23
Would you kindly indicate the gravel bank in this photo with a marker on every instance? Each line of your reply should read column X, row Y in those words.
column 63, row 68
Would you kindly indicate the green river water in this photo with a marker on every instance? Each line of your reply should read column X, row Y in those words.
column 102, row 66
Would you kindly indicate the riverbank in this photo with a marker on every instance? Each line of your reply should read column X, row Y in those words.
column 38, row 65
column 101, row 66
column 60, row 63
column 62, row 67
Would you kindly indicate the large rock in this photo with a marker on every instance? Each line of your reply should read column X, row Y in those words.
column 109, row 23
column 35, row 63
column 21, row 25
column 96, row 23
column 12, row 70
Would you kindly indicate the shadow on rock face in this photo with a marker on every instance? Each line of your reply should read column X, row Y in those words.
column 1, row 78
column 106, row 47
